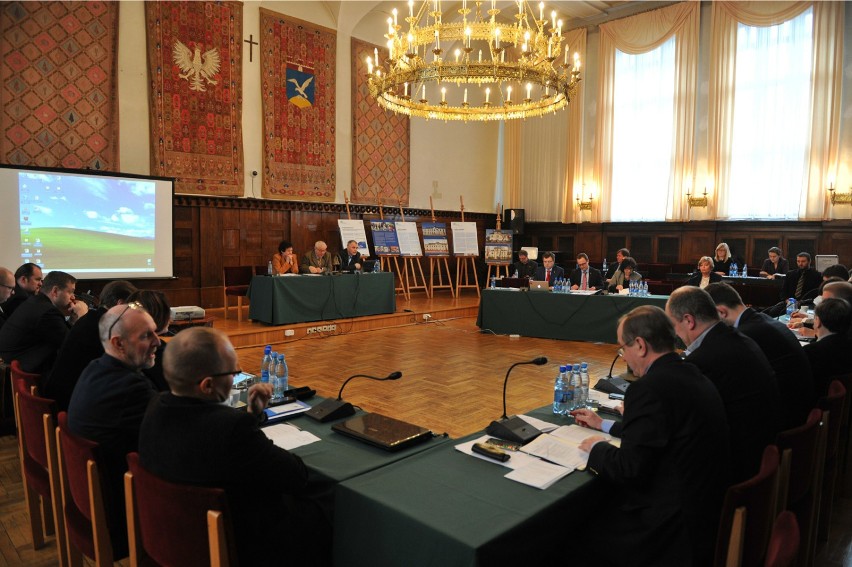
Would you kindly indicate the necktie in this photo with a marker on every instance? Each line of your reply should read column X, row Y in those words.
column 800, row 286
column 548, row 275
column 585, row 282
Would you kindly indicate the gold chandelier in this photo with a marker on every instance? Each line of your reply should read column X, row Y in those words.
column 501, row 70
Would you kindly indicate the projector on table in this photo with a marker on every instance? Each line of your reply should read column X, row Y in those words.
column 186, row 313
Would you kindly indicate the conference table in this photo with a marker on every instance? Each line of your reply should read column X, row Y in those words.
column 549, row 315
column 445, row 508
column 284, row 300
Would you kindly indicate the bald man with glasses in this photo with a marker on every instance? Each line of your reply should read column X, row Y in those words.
column 110, row 398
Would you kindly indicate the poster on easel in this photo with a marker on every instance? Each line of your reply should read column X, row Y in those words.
column 465, row 242
column 409, row 240
column 385, row 239
column 354, row 230
column 498, row 246
column 435, row 239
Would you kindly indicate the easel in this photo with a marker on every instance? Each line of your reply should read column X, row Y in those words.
column 412, row 263
column 435, row 263
column 387, row 266
column 462, row 266
column 500, row 265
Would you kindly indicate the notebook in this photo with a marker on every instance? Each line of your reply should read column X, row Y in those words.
column 385, row 432
column 536, row 285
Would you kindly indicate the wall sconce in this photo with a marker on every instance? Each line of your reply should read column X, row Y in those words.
column 696, row 201
column 584, row 205
column 839, row 198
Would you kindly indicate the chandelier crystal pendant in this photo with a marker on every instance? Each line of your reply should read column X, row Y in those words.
column 499, row 69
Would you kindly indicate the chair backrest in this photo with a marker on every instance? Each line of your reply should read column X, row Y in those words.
column 238, row 275
column 803, row 441
column 747, row 515
column 784, row 542
column 82, row 493
column 169, row 522
column 28, row 378
column 835, row 404
column 31, row 410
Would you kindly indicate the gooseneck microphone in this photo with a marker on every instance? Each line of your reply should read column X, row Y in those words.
column 612, row 384
column 514, row 428
column 329, row 409
column 614, row 360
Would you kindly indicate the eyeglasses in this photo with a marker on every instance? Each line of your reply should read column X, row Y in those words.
column 131, row 305
column 232, row 373
column 620, row 350
column 10, row 287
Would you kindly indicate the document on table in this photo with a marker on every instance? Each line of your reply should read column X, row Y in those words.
column 275, row 413
column 526, row 469
column 289, row 436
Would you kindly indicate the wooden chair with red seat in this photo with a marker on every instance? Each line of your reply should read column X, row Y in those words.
column 174, row 524
column 31, row 380
column 39, row 468
column 237, row 279
column 844, row 475
column 802, row 458
column 747, row 514
column 834, row 407
column 784, row 542
column 82, row 497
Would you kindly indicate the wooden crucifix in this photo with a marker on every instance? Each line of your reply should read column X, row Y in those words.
column 251, row 43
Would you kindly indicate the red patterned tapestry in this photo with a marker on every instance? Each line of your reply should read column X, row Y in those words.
column 58, row 93
column 381, row 150
column 195, row 65
column 297, row 64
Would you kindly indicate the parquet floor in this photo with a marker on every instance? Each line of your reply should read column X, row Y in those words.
column 452, row 382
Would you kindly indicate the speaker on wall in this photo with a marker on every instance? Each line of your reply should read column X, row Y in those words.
column 514, row 219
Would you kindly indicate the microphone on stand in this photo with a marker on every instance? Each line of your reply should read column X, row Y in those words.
column 329, row 410
column 514, row 428
column 612, row 384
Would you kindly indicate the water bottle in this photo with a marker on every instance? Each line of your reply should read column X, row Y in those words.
column 584, row 382
column 745, row 270
column 576, row 386
column 516, row 275
column 604, row 267
column 570, row 392
column 559, row 393
column 733, row 271
column 557, row 285
column 791, row 307
column 493, row 284
column 377, row 267
column 265, row 362
column 644, row 288
column 269, row 268
column 280, row 383
column 568, row 285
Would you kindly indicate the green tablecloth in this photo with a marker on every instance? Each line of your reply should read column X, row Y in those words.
column 298, row 299
column 557, row 316
column 443, row 508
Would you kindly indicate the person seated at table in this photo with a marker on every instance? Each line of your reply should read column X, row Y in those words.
column 616, row 266
column 832, row 287
column 349, row 260
column 188, row 436
column 524, row 267
column 722, row 260
column 547, row 272
column 775, row 264
column 317, row 261
column 802, row 280
column 157, row 306
column 284, row 261
column 705, row 274
column 663, row 487
column 829, row 355
column 585, row 277
column 626, row 273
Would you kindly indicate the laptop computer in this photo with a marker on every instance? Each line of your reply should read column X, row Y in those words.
column 536, row 285
column 384, row 432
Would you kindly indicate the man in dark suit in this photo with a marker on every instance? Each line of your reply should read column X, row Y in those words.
column 784, row 352
column 547, row 271
column 829, row 355
column 28, row 280
column 34, row 332
column 524, row 267
column 664, row 485
column 585, row 277
column 738, row 369
column 349, row 260
column 82, row 345
column 7, row 288
column 802, row 280
column 189, row 437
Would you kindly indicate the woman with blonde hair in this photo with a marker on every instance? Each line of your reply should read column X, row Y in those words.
column 722, row 259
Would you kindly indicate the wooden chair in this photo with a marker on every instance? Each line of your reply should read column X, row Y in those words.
column 31, row 380
column 747, row 514
column 39, row 470
column 844, row 475
column 834, row 406
column 784, row 542
column 82, row 498
column 174, row 524
column 802, row 458
column 237, row 279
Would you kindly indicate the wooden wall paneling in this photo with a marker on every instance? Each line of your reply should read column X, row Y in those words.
column 275, row 225
column 668, row 249
column 760, row 249
column 797, row 244
column 566, row 245
column 698, row 240
column 545, row 244
column 589, row 239
column 305, row 230
column 738, row 245
column 839, row 243
column 252, row 252
column 614, row 243
column 641, row 246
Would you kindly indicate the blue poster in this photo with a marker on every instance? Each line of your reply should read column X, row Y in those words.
column 385, row 239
